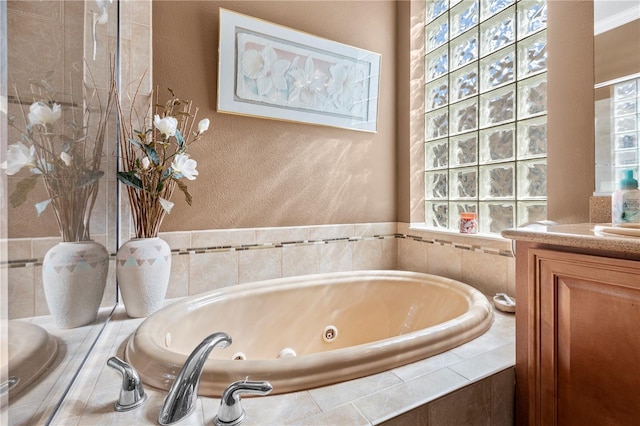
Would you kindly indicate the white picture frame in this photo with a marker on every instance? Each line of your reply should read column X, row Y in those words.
column 271, row 71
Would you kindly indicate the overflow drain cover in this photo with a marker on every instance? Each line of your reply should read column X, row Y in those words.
column 330, row 333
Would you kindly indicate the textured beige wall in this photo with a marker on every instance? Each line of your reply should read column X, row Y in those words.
column 257, row 172
column 570, row 120
column 617, row 52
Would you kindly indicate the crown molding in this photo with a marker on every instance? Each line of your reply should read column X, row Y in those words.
column 613, row 21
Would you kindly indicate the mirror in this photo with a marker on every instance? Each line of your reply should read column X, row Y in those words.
column 60, row 56
column 617, row 94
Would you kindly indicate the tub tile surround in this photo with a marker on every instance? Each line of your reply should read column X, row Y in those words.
column 206, row 260
column 478, row 374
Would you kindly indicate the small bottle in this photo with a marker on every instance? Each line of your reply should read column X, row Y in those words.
column 468, row 223
column 625, row 202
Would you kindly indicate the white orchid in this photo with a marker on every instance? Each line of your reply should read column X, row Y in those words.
column 156, row 160
column 308, row 83
column 167, row 126
column 18, row 156
column 203, row 125
column 266, row 69
column 145, row 163
column 40, row 113
column 66, row 158
column 182, row 165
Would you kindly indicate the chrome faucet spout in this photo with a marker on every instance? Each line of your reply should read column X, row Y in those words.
column 231, row 412
column 182, row 397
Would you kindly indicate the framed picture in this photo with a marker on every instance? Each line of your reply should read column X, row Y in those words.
column 270, row 71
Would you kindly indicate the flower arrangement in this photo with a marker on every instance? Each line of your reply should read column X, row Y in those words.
column 62, row 145
column 154, row 158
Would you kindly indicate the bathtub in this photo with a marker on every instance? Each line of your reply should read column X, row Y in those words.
column 308, row 331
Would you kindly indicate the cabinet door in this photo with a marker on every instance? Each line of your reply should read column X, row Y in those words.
column 589, row 339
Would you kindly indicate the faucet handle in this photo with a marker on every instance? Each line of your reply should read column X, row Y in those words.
column 132, row 392
column 231, row 412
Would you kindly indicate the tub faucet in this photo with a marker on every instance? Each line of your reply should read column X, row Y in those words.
column 182, row 397
column 231, row 412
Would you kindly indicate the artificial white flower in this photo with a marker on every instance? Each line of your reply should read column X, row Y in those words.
column 66, row 158
column 182, row 165
column 203, row 125
column 145, row 163
column 18, row 156
column 167, row 125
column 40, row 113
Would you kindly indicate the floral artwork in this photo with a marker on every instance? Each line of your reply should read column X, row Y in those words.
column 284, row 74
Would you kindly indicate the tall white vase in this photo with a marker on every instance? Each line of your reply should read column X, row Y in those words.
column 143, row 266
column 74, row 275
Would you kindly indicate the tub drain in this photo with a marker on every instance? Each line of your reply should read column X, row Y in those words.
column 330, row 333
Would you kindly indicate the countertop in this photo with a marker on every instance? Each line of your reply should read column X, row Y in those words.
column 587, row 236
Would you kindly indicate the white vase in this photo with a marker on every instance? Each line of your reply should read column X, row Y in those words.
column 143, row 266
column 74, row 275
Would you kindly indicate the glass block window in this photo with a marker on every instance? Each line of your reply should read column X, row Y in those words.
column 626, row 128
column 485, row 112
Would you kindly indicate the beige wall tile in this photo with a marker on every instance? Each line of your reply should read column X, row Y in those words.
column 325, row 232
column 180, row 277
column 367, row 254
column 300, row 260
column 259, row 264
column 503, row 386
column 209, row 271
column 20, row 291
column 222, row 238
column 19, row 249
column 417, row 416
column 177, row 240
column 485, row 272
column 371, row 229
column 444, row 260
column 470, row 406
column 412, row 255
column 335, row 256
column 282, row 235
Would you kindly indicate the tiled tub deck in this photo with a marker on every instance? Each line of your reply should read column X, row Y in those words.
column 470, row 384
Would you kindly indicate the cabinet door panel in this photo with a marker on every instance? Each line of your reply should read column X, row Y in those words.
column 589, row 340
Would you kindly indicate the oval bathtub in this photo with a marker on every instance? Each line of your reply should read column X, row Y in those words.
column 381, row 320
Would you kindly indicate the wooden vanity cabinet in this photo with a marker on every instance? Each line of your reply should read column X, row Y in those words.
column 577, row 338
